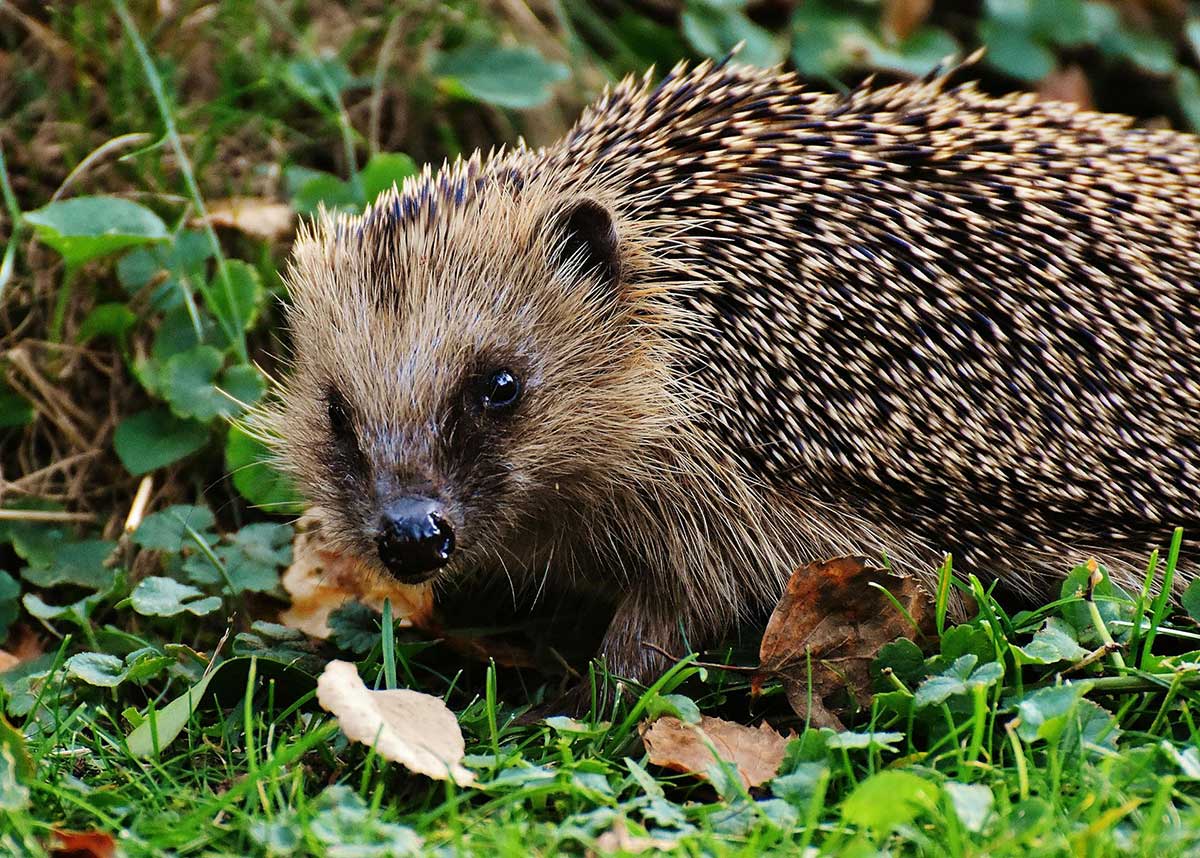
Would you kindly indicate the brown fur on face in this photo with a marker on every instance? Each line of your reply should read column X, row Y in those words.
column 593, row 479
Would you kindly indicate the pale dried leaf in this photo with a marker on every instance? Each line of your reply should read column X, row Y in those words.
column 1069, row 84
column 320, row 581
column 755, row 752
column 255, row 216
column 407, row 727
column 619, row 839
column 901, row 18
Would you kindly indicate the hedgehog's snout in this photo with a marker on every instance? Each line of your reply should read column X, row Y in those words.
column 415, row 539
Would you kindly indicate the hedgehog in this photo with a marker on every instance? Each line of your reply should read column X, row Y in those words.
column 729, row 324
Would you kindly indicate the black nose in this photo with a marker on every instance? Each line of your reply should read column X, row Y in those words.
column 415, row 540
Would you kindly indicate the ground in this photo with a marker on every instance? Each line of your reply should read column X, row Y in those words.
column 153, row 158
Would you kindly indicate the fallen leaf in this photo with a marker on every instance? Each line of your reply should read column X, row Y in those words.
column 755, row 752
column 407, row 727
column 23, row 645
column 902, row 17
column 832, row 618
column 255, row 216
column 83, row 844
column 320, row 581
column 619, row 839
column 1069, row 84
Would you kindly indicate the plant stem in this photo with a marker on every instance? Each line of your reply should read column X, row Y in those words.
column 233, row 330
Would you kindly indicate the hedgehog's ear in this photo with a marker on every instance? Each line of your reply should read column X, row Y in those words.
column 583, row 238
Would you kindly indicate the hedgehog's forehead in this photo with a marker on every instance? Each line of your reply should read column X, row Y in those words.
column 426, row 197
column 411, row 307
column 456, row 196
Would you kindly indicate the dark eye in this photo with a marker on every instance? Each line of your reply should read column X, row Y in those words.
column 340, row 421
column 501, row 390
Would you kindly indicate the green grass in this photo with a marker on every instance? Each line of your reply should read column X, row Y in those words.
column 1069, row 730
column 1106, row 763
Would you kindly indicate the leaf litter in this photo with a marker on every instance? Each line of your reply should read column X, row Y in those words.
column 408, row 727
column 755, row 752
column 832, row 620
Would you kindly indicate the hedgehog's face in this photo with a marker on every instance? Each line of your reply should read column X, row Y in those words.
column 463, row 382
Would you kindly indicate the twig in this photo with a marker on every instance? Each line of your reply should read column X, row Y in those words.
column 732, row 668
column 1093, row 656
column 21, row 483
column 44, row 515
column 62, row 409
column 113, row 145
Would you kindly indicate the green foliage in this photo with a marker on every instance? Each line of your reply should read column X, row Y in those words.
column 1054, row 642
column 153, row 439
column 240, row 304
column 313, row 189
column 10, row 601
column 384, row 170
column 960, row 677
column 14, row 411
column 830, row 38
column 505, row 77
column 318, row 80
column 87, row 228
column 79, row 564
column 249, row 462
column 713, row 29
column 196, row 386
column 96, row 668
column 166, row 597
column 887, row 800
column 355, row 628
column 107, row 320
column 249, row 559
column 159, row 729
column 175, row 528
column 341, row 823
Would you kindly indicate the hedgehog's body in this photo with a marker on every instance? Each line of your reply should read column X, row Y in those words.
column 756, row 325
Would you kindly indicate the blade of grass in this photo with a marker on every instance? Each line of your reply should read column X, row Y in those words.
column 388, row 641
column 1164, row 596
column 233, row 331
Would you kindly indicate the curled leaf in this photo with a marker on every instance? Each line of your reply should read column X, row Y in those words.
column 320, row 581
column 756, row 753
column 407, row 727
column 831, row 621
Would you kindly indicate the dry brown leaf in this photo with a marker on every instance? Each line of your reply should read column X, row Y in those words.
column 255, row 216
column 682, row 747
column 23, row 645
column 404, row 726
column 83, row 844
column 902, row 17
column 831, row 616
column 321, row 581
column 1069, row 84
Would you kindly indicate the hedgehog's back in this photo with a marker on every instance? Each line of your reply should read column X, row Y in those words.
column 977, row 319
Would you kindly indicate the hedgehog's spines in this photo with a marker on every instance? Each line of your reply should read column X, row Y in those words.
column 910, row 318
